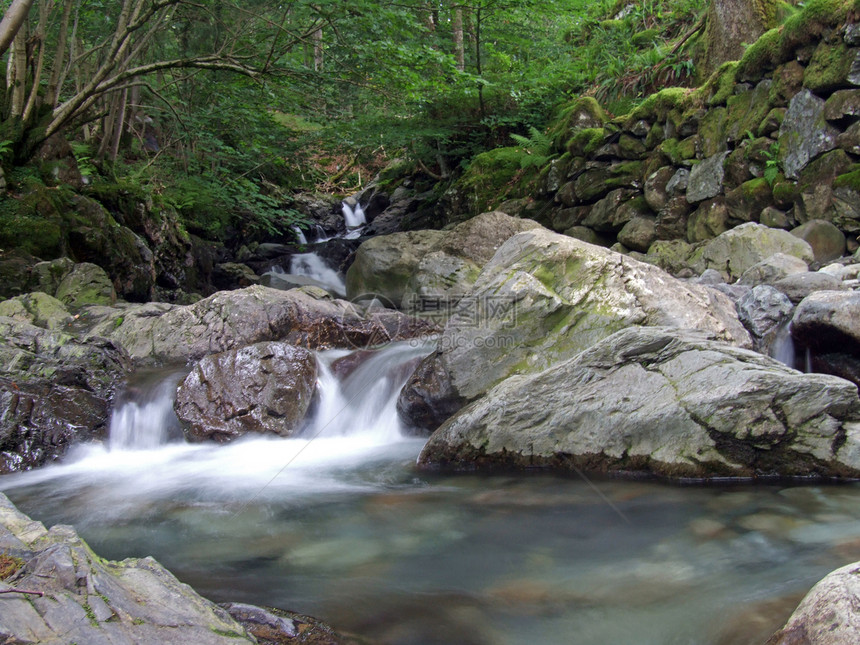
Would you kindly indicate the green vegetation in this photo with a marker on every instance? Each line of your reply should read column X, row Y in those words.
column 9, row 565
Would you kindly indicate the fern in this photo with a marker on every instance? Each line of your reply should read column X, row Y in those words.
column 537, row 147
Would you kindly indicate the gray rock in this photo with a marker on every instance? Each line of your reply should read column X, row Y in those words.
column 828, row 614
column 545, row 297
column 763, row 311
column 309, row 317
column 800, row 285
column 47, row 276
column 746, row 245
column 662, row 401
column 706, row 178
column 656, row 192
column 55, row 389
column 773, row 268
column 679, row 182
column 804, row 133
column 827, row 241
column 829, row 321
column 264, row 388
column 639, row 233
column 90, row 600
column 86, row 284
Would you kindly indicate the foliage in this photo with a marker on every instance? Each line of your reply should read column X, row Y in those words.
column 537, row 147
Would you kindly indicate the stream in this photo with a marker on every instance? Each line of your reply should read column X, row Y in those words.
column 337, row 523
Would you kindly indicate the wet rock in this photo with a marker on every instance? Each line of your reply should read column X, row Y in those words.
column 545, row 297
column 804, row 133
column 763, row 311
column 746, row 245
column 663, row 401
column 15, row 268
column 639, row 233
column 827, row 615
column 233, row 275
column 827, row 241
column 264, row 388
column 54, row 390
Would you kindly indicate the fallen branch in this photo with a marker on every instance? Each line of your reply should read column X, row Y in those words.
column 24, row 591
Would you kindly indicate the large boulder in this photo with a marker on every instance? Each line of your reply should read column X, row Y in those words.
column 828, row 321
column 309, row 317
column 744, row 246
column 38, row 309
column 55, row 389
column 828, row 614
column 544, row 298
column 663, row 401
column 384, row 265
column 262, row 389
column 86, row 284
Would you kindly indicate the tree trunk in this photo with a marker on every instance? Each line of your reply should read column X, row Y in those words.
column 14, row 17
column 318, row 50
column 16, row 76
column 459, row 50
column 731, row 25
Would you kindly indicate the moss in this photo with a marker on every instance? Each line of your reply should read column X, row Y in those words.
column 829, row 67
column 849, row 179
column 583, row 112
column 720, row 86
column 32, row 220
column 678, row 151
column 9, row 565
column 227, row 633
column 657, row 106
column 495, row 176
column 585, row 142
column 784, row 192
column 762, row 55
column 645, row 38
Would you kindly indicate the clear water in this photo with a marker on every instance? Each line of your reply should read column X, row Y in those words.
column 339, row 524
column 313, row 266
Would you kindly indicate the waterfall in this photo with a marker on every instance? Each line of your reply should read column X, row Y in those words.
column 143, row 417
column 312, row 266
column 354, row 218
column 356, row 398
column 300, row 236
column 320, row 235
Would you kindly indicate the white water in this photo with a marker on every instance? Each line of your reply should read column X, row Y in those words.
column 784, row 350
column 354, row 217
column 300, row 236
column 312, row 266
column 355, row 424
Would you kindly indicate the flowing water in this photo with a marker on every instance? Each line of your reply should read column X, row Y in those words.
column 313, row 266
column 338, row 523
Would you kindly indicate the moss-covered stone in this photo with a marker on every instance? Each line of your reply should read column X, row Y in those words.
column 787, row 81
column 679, row 151
column 32, row 219
column 720, row 86
column 658, row 105
column 763, row 55
column 585, row 142
column 829, row 68
column 712, row 131
column 583, row 112
column 631, row 147
column 771, row 123
column 746, row 202
column 785, row 192
column 747, row 110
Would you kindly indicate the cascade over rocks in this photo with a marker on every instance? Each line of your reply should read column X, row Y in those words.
column 543, row 298
column 674, row 403
column 264, row 388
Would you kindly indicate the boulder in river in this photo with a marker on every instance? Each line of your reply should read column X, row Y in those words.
column 663, row 401
column 828, row 614
column 544, row 298
column 264, row 388
column 309, row 317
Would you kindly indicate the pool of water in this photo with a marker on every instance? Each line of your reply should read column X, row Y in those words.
column 353, row 534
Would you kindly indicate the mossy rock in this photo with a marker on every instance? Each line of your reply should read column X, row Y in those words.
column 658, row 105
column 38, row 309
column 33, row 220
column 679, row 151
column 492, row 177
column 849, row 179
column 586, row 141
column 581, row 113
column 720, row 86
column 747, row 110
column 86, row 284
column 830, row 67
column 787, row 81
column 712, row 132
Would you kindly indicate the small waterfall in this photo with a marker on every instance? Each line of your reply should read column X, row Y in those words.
column 312, row 266
column 300, row 236
column 782, row 348
column 354, row 217
column 143, row 417
column 321, row 235
column 363, row 402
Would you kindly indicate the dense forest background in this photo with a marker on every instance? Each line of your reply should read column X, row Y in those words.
column 224, row 110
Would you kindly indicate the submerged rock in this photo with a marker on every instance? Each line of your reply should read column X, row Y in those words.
column 263, row 389
column 662, row 401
